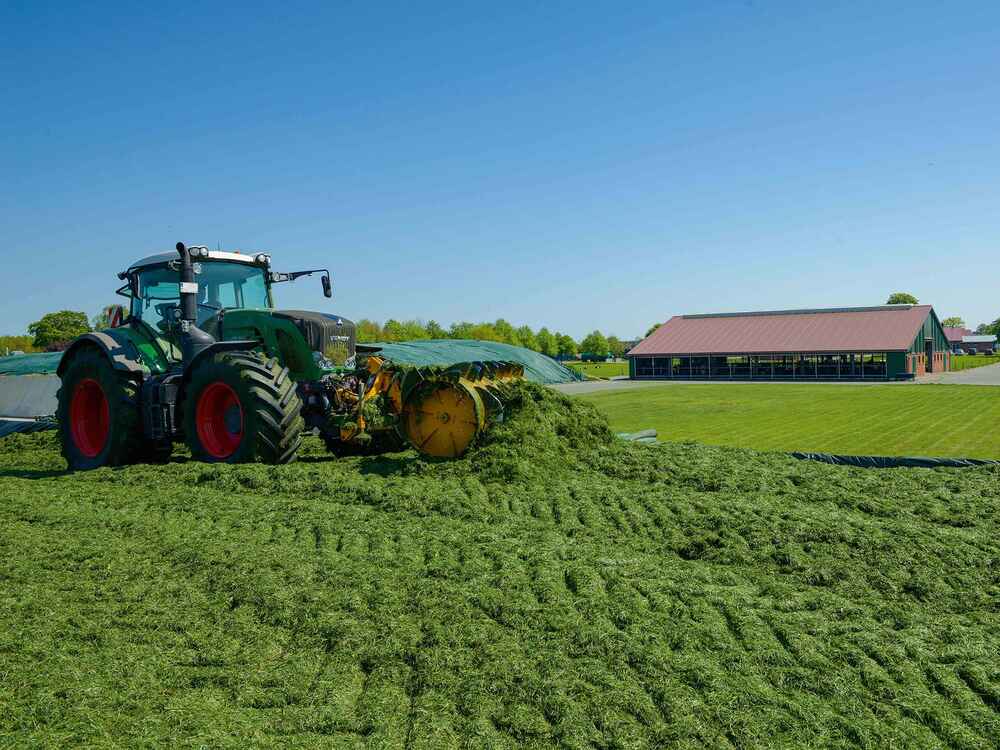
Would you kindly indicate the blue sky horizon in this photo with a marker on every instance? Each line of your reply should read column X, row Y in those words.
column 577, row 167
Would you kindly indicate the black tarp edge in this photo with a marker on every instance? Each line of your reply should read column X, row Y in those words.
column 13, row 426
column 894, row 462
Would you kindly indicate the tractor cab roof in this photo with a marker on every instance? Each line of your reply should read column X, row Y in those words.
column 200, row 255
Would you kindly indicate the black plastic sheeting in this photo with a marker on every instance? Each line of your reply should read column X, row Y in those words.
column 12, row 426
column 895, row 462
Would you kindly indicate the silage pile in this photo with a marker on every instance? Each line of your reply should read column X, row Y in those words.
column 544, row 436
column 555, row 587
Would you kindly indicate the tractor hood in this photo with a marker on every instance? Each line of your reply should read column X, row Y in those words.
column 331, row 335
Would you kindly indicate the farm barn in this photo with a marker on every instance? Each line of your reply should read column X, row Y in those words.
column 979, row 343
column 888, row 342
column 955, row 336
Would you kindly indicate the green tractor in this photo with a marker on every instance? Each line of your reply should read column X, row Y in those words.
column 203, row 357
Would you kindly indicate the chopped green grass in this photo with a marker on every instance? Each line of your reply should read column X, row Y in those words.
column 554, row 588
column 967, row 362
column 600, row 369
column 881, row 420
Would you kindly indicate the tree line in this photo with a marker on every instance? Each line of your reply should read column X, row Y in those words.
column 551, row 343
column 54, row 331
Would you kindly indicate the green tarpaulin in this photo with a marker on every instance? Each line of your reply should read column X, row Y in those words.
column 537, row 367
column 30, row 364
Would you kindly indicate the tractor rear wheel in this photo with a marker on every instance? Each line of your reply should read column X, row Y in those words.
column 240, row 407
column 98, row 413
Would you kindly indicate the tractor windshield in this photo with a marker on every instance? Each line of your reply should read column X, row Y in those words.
column 221, row 286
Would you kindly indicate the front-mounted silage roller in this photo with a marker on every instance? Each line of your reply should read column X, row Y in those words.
column 444, row 411
column 441, row 419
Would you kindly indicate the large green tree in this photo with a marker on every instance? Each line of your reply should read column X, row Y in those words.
column 58, row 328
column 901, row 298
column 616, row 346
column 527, row 338
column 461, row 330
column 594, row 343
column 367, row 331
column 953, row 322
column 435, row 331
column 414, row 330
column 505, row 332
column 547, row 343
column 566, row 345
column 487, row 332
column 403, row 330
column 989, row 329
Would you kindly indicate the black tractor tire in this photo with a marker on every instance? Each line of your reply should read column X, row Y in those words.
column 240, row 407
column 98, row 413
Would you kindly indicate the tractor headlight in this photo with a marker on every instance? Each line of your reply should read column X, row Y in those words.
column 322, row 362
column 263, row 259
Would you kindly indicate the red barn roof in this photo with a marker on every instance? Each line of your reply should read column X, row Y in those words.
column 847, row 329
column 954, row 335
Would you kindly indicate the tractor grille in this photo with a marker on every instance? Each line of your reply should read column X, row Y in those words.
column 331, row 335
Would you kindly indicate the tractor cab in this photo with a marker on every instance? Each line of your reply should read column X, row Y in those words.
column 230, row 296
column 225, row 281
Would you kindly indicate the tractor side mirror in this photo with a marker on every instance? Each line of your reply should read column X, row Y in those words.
column 327, row 286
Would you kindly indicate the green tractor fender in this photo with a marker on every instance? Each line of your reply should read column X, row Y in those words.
column 116, row 345
column 216, row 348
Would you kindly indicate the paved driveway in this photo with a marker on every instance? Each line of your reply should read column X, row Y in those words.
column 989, row 375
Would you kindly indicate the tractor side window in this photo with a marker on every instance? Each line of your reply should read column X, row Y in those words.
column 158, row 295
column 254, row 291
column 226, row 295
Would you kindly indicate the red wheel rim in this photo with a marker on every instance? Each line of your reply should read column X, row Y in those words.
column 89, row 418
column 219, row 420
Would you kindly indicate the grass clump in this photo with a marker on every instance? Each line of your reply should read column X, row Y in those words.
column 553, row 588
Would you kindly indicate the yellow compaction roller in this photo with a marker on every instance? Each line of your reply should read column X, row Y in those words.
column 439, row 411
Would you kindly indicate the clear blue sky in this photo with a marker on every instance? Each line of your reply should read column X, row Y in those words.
column 578, row 165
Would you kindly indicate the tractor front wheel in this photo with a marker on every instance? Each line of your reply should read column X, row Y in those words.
column 98, row 412
column 240, row 407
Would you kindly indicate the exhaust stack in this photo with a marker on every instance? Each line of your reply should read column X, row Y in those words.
column 193, row 339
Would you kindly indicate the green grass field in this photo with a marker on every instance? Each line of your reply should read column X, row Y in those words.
column 600, row 369
column 554, row 588
column 885, row 420
column 966, row 362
